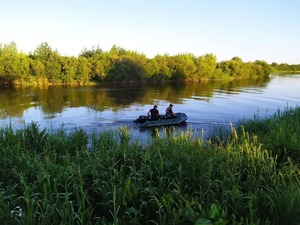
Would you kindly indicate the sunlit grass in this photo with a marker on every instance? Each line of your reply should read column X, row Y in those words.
column 54, row 177
column 279, row 133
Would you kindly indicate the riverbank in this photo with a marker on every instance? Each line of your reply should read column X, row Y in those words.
column 47, row 67
column 108, row 178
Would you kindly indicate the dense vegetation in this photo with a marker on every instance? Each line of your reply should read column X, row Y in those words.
column 45, row 66
column 284, row 67
column 178, row 178
column 280, row 133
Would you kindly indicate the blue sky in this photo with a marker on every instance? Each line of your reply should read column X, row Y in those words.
column 250, row 29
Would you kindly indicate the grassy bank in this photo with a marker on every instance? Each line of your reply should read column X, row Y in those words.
column 51, row 177
column 279, row 133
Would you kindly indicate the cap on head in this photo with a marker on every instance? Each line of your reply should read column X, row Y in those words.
column 171, row 105
column 155, row 106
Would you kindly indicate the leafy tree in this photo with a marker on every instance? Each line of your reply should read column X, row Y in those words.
column 232, row 68
column 152, row 67
column 68, row 69
column 262, row 68
column 89, row 53
column 83, row 71
column 294, row 67
column 126, row 69
column 37, row 69
column 24, row 67
column 119, row 64
column 1, row 48
column 52, row 61
column 53, row 69
column 12, row 65
column 237, row 67
column 223, row 66
column 206, row 66
column 161, row 67
column 100, row 65
column 117, row 51
column 43, row 52
column 140, row 62
column 125, row 65
column 184, row 67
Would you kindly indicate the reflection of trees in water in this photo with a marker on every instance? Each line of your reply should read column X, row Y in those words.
column 242, row 83
column 3, row 113
column 114, row 97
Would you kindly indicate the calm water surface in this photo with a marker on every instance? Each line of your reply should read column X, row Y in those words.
column 111, row 106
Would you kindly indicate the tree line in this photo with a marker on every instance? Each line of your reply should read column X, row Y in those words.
column 46, row 66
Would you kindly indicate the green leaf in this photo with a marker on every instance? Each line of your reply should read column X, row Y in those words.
column 202, row 221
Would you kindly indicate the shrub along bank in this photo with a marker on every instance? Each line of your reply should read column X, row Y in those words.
column 45, row 66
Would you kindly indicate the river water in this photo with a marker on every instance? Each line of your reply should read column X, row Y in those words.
column 97, row 108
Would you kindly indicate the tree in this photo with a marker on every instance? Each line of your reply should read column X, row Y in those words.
column 161, row 67
column 37, row 69
column 184, row 67
column 53, row 69
column 12, row 65
column 262, row 68
column 206, row 66
column 43, row 52
column 126, row 69
column 83, row 71
column 89, row 53
column 1, row 48
column 100, row 65
column 68, row 69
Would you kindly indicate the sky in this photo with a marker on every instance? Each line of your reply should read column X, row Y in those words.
column 266, row 30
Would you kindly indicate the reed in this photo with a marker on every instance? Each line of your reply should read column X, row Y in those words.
column 54, row 177
column 278, row 133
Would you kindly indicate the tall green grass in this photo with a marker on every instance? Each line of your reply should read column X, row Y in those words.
column 278, row 133
column 54, row 177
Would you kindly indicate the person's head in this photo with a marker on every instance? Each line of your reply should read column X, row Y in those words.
column 155, row 106
column 171, row 105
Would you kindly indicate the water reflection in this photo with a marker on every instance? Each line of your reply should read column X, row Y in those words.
column 96, row 108
column 53, row 100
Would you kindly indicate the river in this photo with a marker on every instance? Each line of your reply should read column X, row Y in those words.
column 96, row 108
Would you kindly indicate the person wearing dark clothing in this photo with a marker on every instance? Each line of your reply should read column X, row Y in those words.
column 169, row 112
column 154, row 113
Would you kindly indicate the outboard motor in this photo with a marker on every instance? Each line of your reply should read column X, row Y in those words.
column 141, row 119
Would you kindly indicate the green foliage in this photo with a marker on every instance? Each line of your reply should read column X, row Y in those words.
column 206, row 66
column 160, row 68
column 100, row 65
column 284, row 67
column 235, row 68
column 68, row 69
column 37, row 68
column 82, row 75
column 126, row 69
column 175, row 178
column 45, row 66
column 185, row 68
column 43, row 52
column 262, row 68
column 86, row 53
column 12, row 65
column 279, row 133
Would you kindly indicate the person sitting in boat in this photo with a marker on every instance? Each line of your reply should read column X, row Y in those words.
column 169, row 112
column 154, row 113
